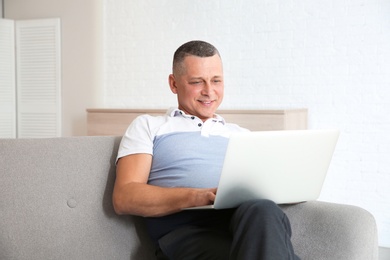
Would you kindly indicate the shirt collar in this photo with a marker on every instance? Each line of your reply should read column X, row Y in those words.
column 173, row 112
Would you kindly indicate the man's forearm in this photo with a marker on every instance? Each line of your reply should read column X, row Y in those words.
column 152, row 201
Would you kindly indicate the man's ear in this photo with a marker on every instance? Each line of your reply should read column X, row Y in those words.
column 172, row 83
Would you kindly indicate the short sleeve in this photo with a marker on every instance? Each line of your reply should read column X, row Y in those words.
column 137, row 138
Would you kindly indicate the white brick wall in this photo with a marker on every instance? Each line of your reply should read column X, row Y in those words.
column 332, row 57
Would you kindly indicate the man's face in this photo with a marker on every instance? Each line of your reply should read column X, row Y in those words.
column 199, row 86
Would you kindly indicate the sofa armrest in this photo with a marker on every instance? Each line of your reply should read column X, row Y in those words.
column 323, row 230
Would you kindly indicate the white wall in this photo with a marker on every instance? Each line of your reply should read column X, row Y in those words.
column 332, row 57
column 82, row 53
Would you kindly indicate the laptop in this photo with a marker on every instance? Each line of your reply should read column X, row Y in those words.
column 286, row 167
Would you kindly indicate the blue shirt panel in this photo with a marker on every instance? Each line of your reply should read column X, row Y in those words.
column 187, row 159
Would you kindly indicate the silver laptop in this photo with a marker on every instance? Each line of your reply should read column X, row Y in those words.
column 282, row 166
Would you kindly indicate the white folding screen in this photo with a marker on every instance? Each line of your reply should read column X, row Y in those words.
column 7, row 80
column 38, row 78
column 30, row 78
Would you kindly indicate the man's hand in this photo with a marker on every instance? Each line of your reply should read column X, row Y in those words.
column 205, row 196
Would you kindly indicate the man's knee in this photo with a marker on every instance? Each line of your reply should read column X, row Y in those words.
column 263, row 207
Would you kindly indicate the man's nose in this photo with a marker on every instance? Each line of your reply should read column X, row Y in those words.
column 207, row 88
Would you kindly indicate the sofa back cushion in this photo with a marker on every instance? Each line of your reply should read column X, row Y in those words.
column 55, row 201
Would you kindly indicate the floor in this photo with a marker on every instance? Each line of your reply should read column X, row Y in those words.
column 384, row 253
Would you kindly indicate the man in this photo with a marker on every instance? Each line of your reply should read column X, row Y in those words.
column 172, row 162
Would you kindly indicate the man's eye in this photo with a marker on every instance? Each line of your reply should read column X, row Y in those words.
column 194, row 82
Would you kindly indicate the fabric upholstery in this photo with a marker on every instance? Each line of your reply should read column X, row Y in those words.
column 55, row 203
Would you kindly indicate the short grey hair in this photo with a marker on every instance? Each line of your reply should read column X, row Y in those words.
column 195, row 48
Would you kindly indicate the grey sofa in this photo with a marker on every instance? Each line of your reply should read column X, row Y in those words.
column 55, row 203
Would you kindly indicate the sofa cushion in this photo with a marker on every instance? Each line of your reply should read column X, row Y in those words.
column 56, row 202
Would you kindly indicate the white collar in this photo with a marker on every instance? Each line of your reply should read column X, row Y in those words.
column 177, row 112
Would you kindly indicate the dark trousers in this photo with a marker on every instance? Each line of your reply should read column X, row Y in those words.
column 257, row 229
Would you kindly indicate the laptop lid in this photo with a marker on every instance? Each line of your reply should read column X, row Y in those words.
column 286, row 166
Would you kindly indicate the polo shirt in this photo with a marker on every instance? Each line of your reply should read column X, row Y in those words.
column 187, row 152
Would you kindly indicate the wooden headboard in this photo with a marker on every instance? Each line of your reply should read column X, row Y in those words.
column 116, row 121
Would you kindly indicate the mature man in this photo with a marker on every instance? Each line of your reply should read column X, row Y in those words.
column 171, row 162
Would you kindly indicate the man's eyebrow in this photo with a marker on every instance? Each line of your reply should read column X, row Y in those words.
column 201, row 78
column 196, row 78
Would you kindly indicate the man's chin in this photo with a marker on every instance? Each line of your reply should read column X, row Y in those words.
column 205, row 116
